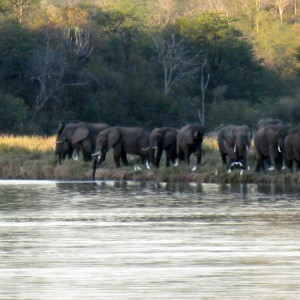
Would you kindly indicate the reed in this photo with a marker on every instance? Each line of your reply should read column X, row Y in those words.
column 47, row 144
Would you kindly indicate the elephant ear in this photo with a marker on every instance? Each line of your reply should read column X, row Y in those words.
column 80, row 134
column 114, row 137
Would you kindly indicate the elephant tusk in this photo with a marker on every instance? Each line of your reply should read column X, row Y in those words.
column 234, row 149
column 145, row 149
column 279, row 150
column 147, row 165
column 59, row 142
column 96, row 153
column 247, row 148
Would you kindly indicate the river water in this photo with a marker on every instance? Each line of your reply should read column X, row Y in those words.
column 131, row 240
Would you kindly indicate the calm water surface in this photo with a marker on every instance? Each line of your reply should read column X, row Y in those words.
column 130, row 240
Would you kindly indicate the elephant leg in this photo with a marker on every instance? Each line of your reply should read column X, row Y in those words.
column 198, row 155
column 117, row 157
column 158, row 154
column 186, row 157
column 259, row 164
column 268, row 163
column 223, row 156
column 124, row 159
column 278, row 162
column 117, row 160
column 298, row 165
column 180, row 155
column 86, row 156
column 168, row 158
column 289, row 164
column 173, row 154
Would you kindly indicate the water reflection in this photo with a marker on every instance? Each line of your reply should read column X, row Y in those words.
column 134, row 240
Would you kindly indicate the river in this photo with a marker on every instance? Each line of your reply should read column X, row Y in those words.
column 132, row 240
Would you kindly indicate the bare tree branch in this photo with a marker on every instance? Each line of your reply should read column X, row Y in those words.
column 176, row 59
column 205, row 77
column 48, row 68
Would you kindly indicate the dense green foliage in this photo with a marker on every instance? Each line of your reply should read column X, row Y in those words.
column 137, row 62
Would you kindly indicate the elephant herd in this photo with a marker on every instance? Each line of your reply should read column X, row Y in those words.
column 274, row 143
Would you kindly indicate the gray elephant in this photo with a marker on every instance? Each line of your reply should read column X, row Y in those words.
column 189, row 140
column 268, row 121
column 62, row 149
column 123, row 141
column 269, row 143
column 292, row 149
column 77, row 137
column 234, row 142
column 261, row 123
column 163, row 139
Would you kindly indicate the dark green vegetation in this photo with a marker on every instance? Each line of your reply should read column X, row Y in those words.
column 151, row 63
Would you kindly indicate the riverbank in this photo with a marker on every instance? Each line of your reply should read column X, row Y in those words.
column 33, row 158
column 45, row 166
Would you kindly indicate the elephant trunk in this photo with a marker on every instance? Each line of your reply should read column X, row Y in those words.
column 99, row 158
column 59, row 157
column 94, row 167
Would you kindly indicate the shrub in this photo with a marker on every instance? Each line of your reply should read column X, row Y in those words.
column 13, row 113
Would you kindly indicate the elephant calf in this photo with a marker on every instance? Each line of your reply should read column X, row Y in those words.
column 234, row 142
column 292, row 149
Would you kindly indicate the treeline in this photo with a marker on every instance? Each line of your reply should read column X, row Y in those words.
column 150, row 63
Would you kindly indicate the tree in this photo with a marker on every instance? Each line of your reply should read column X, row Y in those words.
column 13, row 113
column 176, row 59
column 49, row 69
column 205, row 77
column 281, row 5
column 77, row 42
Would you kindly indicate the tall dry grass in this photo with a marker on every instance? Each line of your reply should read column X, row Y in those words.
column 30, row 143
column 47, row 144
column 211, row 142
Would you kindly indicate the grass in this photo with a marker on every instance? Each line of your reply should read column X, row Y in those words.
column 32, row 157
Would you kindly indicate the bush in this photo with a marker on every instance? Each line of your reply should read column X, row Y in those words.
column 235, row 112
column 13, row 113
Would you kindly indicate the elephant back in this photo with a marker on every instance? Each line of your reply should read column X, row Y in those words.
column 191, row 134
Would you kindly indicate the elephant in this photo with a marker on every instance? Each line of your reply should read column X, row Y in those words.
column 268, row 121
column 123, row 140
column 189, row 140
column 269, row 143
column 234, row 142
column 65, row 149
column 292, row 149
column 261, row 123
column 163, row 139
column 78, row 137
